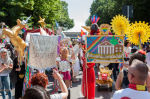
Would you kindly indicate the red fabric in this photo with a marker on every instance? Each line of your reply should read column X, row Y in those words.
column 89, row 86
column 132, row 86
column 66, row 75
column 95, row 32
column 36, row 30
column 125, row 98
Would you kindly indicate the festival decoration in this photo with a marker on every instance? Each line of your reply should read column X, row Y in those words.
column 120, row 25
column 16, row 41
column 105, row 29
column 107, row 49
column 82, row 33
column 87, row 28
column 138, row 33
column 94, row 19
column 94, row 29
column 43, row 32
column 41, row 21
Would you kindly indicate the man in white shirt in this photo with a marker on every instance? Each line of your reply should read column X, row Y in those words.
column 137, row 75
column 148, row 57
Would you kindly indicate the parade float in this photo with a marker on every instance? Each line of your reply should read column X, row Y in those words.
column 104, row 79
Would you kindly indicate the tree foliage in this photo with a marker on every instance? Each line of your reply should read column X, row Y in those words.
column 51, row 10
column 107, row 9
column 64, row 20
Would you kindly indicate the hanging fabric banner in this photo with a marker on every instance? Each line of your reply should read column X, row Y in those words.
column 43, row 51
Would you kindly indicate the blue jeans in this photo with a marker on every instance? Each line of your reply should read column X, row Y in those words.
column 5, row 87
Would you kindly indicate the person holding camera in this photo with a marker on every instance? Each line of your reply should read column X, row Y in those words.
column 40, row 79
column 6, row 66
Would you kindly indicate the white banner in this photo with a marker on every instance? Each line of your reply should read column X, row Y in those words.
column 43, row 51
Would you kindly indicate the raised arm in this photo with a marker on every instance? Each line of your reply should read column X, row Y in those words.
column 62, row 84
column 119, row 81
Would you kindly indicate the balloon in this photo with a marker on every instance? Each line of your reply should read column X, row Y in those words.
column 18, row 43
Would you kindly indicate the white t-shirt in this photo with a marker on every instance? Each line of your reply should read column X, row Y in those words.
column 131, row 94
column 56, row 96
column 148, row 59
column 64, row 65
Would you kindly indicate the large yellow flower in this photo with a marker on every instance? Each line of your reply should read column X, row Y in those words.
column 120, row 24
column 138, row 33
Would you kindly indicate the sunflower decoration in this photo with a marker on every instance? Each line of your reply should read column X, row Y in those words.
column 138, row 33
column 120, row 24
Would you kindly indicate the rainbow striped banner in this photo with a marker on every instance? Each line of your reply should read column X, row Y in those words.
column 105, row 48
column 95, row 44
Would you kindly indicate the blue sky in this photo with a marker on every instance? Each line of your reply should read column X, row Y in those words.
column 79, row 10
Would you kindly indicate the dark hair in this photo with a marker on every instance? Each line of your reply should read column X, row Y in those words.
column 36, row 92
column 133, row 50
column 94, row 27
column 148, row 49
column 138, row 56
column 126, row 43
column 39, row 79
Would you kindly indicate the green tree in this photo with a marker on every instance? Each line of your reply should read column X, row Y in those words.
column 107, row 9
column 64, row 20
column 14, row 9
column 140, row 9
column 102, row 8
column 51, row 10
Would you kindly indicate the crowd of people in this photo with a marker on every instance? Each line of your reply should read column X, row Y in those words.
column 12, row 73
column 131, row 82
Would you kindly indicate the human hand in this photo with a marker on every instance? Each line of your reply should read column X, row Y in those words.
column 18, row 69
column 56, row 75
column 4, row 65
column 86, row 66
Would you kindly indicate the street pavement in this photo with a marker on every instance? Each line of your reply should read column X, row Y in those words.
column 76, row 91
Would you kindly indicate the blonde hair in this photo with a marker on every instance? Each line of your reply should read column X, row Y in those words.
column 64, row 53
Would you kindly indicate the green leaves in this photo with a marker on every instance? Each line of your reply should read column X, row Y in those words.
column 106, row 9
column 51, row 10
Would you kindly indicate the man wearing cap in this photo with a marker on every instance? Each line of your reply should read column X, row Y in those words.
column 6, row 66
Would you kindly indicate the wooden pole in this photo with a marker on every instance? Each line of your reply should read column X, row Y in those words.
column 140, row 47
column 86, row 64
